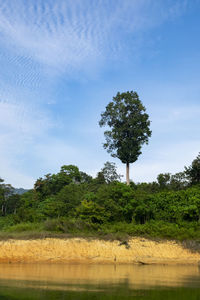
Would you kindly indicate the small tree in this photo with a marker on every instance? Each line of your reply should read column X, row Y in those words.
column 179, row 181
column 6, row 190
column 129, row 128
column 110, row 172
column 164, row 180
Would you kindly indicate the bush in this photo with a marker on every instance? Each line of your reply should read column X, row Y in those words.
column 69, row 225
column 25, row 227
column 53, row 225
column 155, row 229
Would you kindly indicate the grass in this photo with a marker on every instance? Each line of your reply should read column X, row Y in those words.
column 122, row 231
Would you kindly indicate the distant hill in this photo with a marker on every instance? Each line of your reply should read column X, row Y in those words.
column 20, row 191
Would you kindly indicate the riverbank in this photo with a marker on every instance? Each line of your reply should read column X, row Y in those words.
column 93, row 251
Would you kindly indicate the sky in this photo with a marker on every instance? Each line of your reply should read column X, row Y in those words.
column 62, row 61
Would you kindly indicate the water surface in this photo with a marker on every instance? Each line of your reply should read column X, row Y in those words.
column 58, row 281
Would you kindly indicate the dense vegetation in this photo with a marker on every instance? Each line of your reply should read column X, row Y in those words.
column 72, row 202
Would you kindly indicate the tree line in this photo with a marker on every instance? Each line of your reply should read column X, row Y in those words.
column 105, row 199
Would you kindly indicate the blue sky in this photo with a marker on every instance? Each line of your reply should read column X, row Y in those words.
column 62, row 61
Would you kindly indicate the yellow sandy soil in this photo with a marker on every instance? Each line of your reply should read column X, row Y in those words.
column 79, row 250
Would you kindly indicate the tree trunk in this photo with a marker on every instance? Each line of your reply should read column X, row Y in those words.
column 127, row 174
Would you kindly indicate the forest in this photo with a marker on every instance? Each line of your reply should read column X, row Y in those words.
column 73, row 203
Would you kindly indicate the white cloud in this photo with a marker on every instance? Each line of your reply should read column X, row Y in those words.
column 22, row 119
column 71, row 34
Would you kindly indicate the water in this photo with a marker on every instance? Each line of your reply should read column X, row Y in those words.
column 57, row 281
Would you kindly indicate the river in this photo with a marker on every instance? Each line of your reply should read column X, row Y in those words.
column 81, row 281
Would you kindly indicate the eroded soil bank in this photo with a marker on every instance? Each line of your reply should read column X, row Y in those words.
column 79, row 250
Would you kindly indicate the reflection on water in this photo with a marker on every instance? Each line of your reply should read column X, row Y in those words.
column 35, row 281
column 136, row 275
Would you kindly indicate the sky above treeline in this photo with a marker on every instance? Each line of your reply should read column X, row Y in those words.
column 62, row 61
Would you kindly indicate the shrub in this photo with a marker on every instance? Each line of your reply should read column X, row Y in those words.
column 24, row 227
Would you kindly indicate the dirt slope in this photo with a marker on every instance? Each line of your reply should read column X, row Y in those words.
column 79, row 250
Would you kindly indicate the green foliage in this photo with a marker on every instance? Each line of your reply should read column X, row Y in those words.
column 53, row 225
column 129, row 126
column 156, row 229
column 90, row 207
column 6, row 190
column 71, row 195
column 71, row 202
column 69, row 226
column 24, row 227
column 117, row 198
column 6, row 222
column 91, row 211
column 85, row 178
column 151, row 187
column 51, row 207
column 179, row 181
column 52, row 184
column 100, row 179
column 174, row 182
column 193, row 171
column 163, row 180
column 28, row 207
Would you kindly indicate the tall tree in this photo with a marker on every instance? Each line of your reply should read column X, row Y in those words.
column 129, row 128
